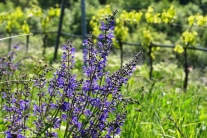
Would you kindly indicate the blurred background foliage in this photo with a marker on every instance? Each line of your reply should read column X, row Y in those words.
column 164, row 97
column 28, row 15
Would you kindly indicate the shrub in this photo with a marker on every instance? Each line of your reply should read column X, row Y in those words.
column 90, row 107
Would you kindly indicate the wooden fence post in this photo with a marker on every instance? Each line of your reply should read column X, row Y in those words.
column 27, row 44
column 83, row 24
column 121, row 51
column 44, row 44
column 59, row 29
column 151, row 61
column 185, row 85
column 10, row 42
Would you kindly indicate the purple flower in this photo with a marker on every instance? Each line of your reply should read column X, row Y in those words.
column 75, row 120
column 60, row 82
column 57, row 123
column 110, row 35
column 101, row 36
column 87, row 112
column 72, row 50
column 20, row 136
column 95, row 102
column 3, row 95
column 64, row 116
column 86, row 106
column 36, row 109
column 24, row 104
column 51, row 134
column 85, row 42
column 83, row 133
column 65, row 106
column 118, row 131
column 79, row 125
column 8, row 134
column 15, row 47
column 104, row 116
column 64, row 56
column 14, row 100
column 111, row 25
column 7, row 108
column 64, row 47
column 103, row 26
column 13, row 135
column 53, row 106
column 107, row 136
column 100, row 44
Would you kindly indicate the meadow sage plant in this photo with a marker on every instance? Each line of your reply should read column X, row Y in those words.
column 90, row 107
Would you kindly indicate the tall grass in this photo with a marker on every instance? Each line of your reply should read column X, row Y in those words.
column 165, row 110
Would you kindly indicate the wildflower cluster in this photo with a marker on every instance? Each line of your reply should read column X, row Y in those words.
column 15, row 94
column 89, row 107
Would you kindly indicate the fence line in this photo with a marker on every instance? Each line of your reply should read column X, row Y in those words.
column 185, row 84
column 200, row 48
column 72, row 35
column 197, row 48
column 173, row 46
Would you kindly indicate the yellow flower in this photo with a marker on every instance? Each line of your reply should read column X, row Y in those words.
column 152, row 55
column 178, row 49
column 189, row 37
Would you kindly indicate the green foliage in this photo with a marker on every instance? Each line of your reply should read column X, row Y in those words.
column 23, row 3
column 164, row 109
column 127, row 19
column 19, row 19
column 160, row 23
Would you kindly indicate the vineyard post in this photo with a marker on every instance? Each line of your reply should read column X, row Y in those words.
column 83, row 19
column 59, row 29
column 121, row 51
column 10, row 41
column 185, row 85
column 83, row 22
column 27, row 44
column 150, row 61
column 44, row 43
